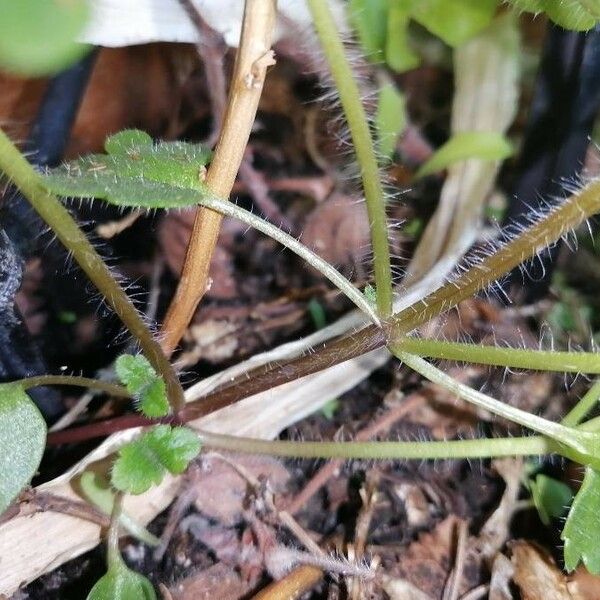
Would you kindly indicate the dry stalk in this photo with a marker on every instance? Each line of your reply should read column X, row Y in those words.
column 253, row 58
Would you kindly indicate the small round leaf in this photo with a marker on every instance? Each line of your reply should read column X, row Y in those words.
column 22, row 441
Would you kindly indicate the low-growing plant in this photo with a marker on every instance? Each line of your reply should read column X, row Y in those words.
column 138, row 172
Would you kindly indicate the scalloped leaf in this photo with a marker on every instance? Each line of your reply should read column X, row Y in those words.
column 22, row 441
column 579, row 15
column 144, row 462
column 136, row 172
column 143, row 383
column 582, row 529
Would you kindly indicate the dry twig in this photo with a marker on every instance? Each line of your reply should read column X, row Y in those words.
column 253, row 59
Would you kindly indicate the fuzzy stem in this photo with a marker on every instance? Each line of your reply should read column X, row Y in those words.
column 50, row 209
column 574, row 210
column 547, row 428
column 358, row 124
column 545, row 232
column 452, row 449
column 231, row 210
column 516, row 358
column 583, row 407
column 113, row 389
column 252, row 60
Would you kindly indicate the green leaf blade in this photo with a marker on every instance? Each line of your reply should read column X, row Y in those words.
column 121, row 583
column 550, row 496
column 22, row 441
column 391, row 118
column 144, row 462
column 456, row 21
column 483, row 145
column 582, row 528
column 369, row 18
column 136, row 173
column 143, row 383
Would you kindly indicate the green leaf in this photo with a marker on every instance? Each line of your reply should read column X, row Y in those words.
column 399, row 56
column 142, row 382
column 121, row 583
column 582, row 529
column 391, row 118
column 485, row 145
column 369, row 18
column 317, row 313
column 143, row 462
column 22, row 441
column 580, row 15
column 570, row 14
column 550, row 496
column 328, row 410
column 37, row 37
column 454, row 21
column 136, row 172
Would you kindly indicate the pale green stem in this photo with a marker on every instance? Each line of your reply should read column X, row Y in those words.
column 344, row 285
column 349, row 94
column 113, row 557
column 517, row 358
column 583, row 407
column 103, row 495
column 86, row 382
column 557, row 432
column 50, row 209
column 453, row 449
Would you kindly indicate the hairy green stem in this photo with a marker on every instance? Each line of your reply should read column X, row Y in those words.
column 231, row 210
column 50, row 209
column 564, row 435
column 358, row 124
column 113, row 389
column 452, row 449
column 516, row 358
column 583, row 407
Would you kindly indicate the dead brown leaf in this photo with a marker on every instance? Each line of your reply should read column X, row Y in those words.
column 338, row 231
column 536, row 574
column 218, row 582
column 427, row 562
column 583, row 585
column 222, row 490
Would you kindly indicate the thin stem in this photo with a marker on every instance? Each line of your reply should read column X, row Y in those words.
column 113, row 389
column 453, row 449
column 113, row 556
column 517, row 358
column 50, row 209
column 231, row 210
column 358, row 124
column 574, row 210
column 583, row 407
column 252, row 60
column 547, row 428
